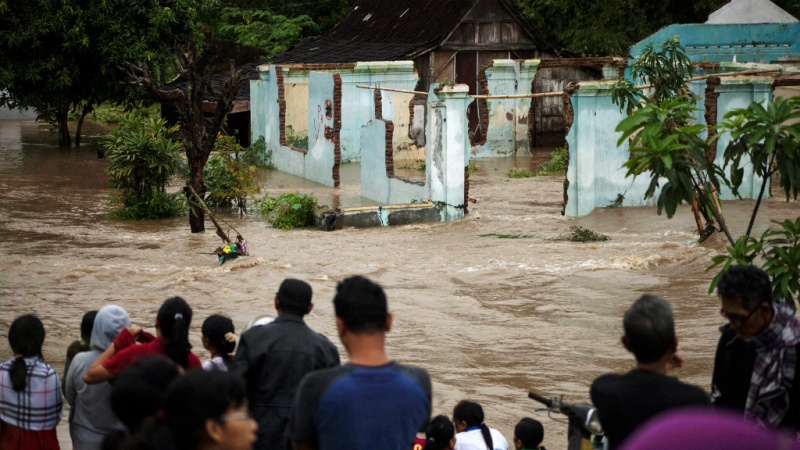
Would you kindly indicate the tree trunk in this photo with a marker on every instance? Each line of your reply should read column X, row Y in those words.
column 197, row 216
column 64, row 139
column 84, row 112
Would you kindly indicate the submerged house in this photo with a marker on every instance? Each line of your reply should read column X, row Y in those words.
column 448, row 41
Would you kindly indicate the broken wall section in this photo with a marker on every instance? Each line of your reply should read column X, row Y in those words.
column 595, row 175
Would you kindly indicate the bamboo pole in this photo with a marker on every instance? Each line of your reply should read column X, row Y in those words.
column 220, row 233
column 726, row 74
column 540, row 94
column 403, row 91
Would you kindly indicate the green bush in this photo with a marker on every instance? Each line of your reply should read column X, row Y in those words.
column 143, row 156
column 516, row 172
column 579, row 234
column 258, row 155
column 289, row 210
column 557, row 164
column 229, row 177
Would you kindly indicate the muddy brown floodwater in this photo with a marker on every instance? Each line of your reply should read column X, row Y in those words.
column 490, row 319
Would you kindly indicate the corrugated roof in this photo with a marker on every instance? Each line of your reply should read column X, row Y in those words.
column 381, row 30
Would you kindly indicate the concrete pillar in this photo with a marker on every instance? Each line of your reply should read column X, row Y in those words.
column 522, row 106
column 739, row 92
column 501, row 79
column 448, row 145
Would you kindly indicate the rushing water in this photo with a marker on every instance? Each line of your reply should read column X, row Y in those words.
column 488, row 318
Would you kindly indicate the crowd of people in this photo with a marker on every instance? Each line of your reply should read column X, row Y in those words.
column 281, row 385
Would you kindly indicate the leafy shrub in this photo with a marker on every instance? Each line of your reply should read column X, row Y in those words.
column 143, row 156
column 579, row 234
column 557, row 164
column 258, row 154
column 230, row 178
column 296, row 140
column 516, row 172
column 289, row 210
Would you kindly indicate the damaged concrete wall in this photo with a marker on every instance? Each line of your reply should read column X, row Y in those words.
column 506, row 119
column 595, row 175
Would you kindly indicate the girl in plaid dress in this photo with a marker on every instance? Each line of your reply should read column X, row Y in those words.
column 30, row 392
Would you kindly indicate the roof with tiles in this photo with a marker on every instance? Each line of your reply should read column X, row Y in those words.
column 381, row 30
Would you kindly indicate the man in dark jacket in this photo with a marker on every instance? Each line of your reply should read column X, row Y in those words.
column 274, row 358
column 756, row 364
column 624, row 402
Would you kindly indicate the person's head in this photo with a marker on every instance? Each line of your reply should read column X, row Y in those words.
column 746, row 296
column 173, row 320
column 26, row 337
column 87, row 323
column 138, row 392
column 468, row 414
column 294, row 297
column 218, row 335
column 440, row 434
column 649, row 329
column 360, row 307
column 109, row 322
column 528, row 434
column 209, row 408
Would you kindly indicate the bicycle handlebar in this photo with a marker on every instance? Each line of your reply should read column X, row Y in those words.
column 545, row 401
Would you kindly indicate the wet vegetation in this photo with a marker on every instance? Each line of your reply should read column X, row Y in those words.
column 294, row 210
column 617, row 202
column 231, row 175
column 578, row 233
column 516, row 172
column 557, row 165
column 416, row 165
column 142, row 156
column 508, row 236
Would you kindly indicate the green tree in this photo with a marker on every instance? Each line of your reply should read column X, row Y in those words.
column 667, row 146
column 142, row 157
column 231, row 174
column 64, row 56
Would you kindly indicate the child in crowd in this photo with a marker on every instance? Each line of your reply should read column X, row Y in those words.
column 473, row 434
column 219, row 339
column 82, row 344
column 172, row 329
column 30, row 391
column 440, row 434
column 528, row 434
column 202, row 410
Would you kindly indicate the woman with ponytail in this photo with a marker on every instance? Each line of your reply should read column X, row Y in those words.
column 219, row 339
column 171, row 339
column 30, row 391
column 440, row 434
column 473, row 434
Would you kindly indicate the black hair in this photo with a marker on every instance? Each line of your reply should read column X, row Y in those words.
column 439, row 433
column 649, row 328
column 174, row 318
column 361, row 304
column 747, row 283
column 87, row 325
column 191, row 400
column 214, row 329
column 472, row 414
column 139, row 391
column 530, row 432
column 26, row 337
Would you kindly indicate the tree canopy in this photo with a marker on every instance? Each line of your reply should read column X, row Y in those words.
column 610, row 27
column 66, row 54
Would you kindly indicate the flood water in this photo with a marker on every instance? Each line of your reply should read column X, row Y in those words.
column 490, row 319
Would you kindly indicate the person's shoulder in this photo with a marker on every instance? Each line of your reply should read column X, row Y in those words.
column 693, row 392
column 608, row 379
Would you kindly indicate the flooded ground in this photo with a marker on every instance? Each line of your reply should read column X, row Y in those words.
column 490, row 319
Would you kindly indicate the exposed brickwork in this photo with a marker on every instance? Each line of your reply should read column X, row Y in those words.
column 378, row 100
column 532, row 112
column 710, row 104
column 389, row 154
column 569, row 119
column 482, row 106
column 281, row 105
column 337, row 126
column 332, row 66
column 466, row 190
column 706, row 65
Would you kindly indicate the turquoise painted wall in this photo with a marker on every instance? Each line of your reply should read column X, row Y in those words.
column 595, row 172
column 756, row 43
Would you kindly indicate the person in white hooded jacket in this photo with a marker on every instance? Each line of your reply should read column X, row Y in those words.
column 91, row 419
